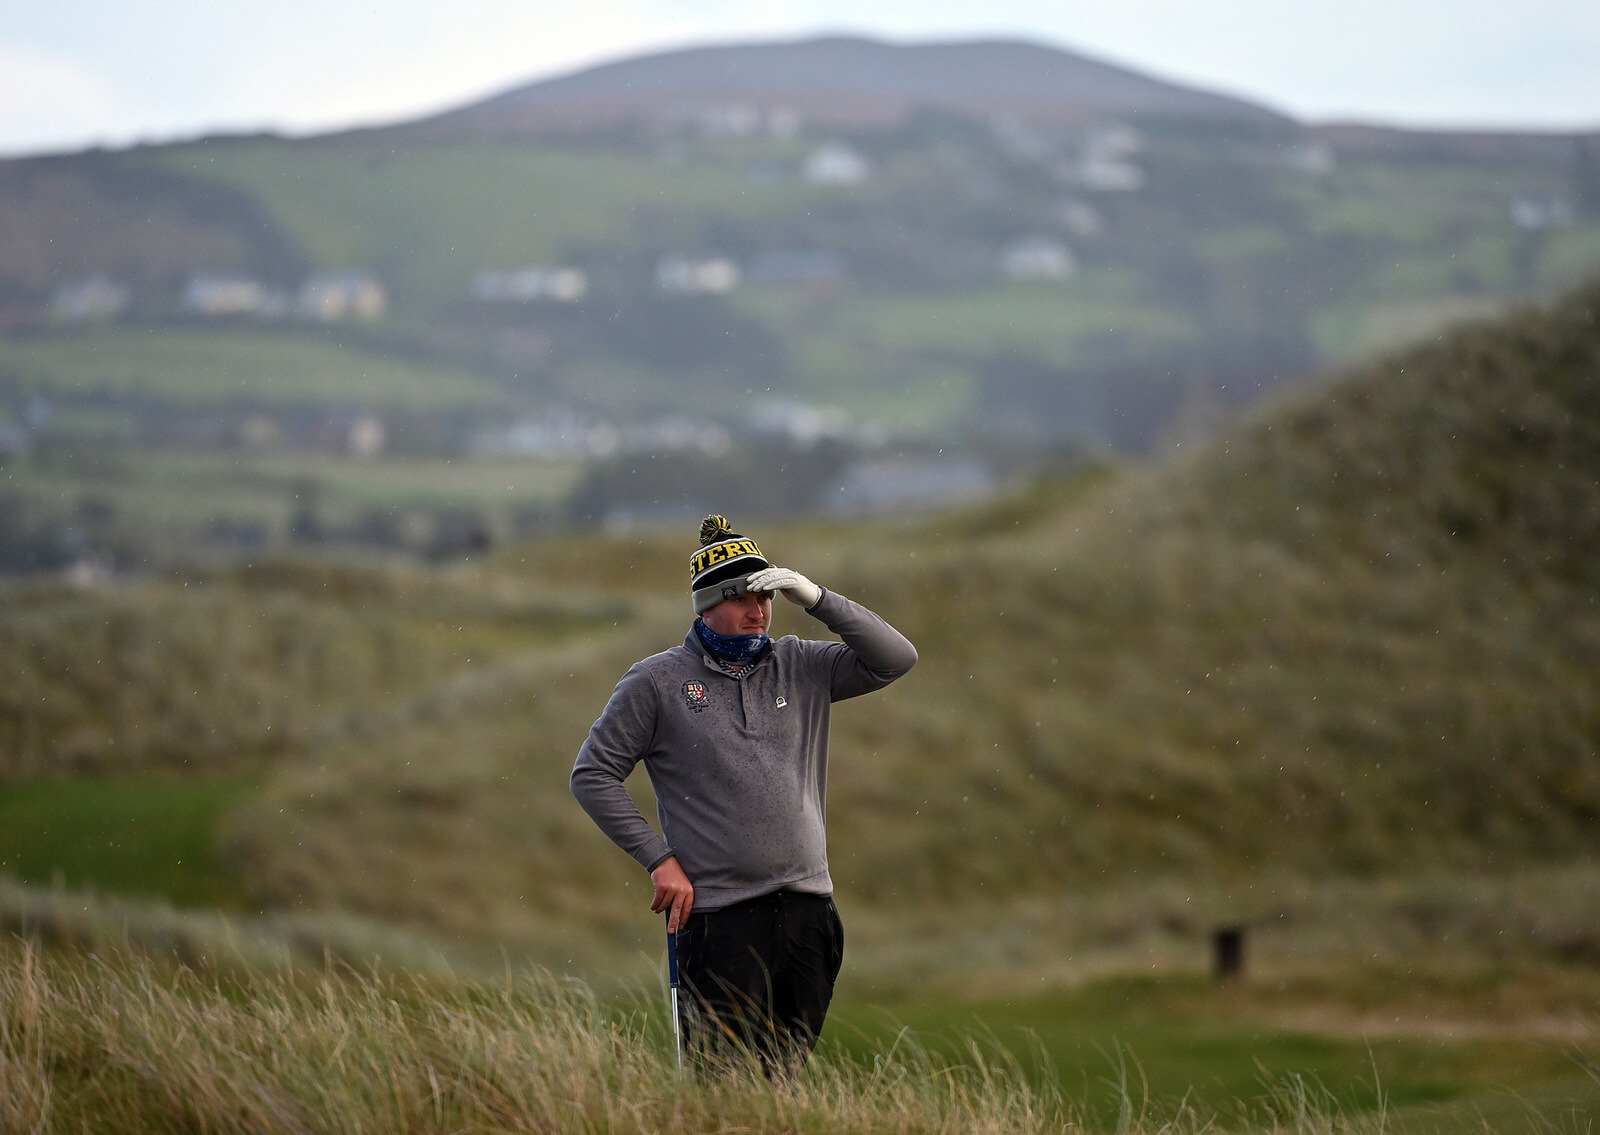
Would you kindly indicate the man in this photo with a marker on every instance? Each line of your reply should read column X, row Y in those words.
column 732, row 728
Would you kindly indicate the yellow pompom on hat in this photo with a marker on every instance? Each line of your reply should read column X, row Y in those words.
column 724, row 561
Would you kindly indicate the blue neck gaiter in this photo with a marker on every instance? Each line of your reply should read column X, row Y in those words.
column 737, row 649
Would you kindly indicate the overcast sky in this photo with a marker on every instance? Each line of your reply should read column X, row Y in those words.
column 75, row 73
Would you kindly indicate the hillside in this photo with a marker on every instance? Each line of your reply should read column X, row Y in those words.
column 1003, row 255
column 843, row 82
column 1352, row 642
column 1355, row 634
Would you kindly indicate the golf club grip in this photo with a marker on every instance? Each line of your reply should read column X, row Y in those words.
column 672, row 959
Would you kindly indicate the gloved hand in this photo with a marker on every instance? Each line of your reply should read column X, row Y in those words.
column 795, row 587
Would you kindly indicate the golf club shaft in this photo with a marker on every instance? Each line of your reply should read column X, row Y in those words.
column 672, row 985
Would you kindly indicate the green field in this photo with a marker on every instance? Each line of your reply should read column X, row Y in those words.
column 145, row 837
column 1182, row 1048
column 442, row 212
column 256, row 370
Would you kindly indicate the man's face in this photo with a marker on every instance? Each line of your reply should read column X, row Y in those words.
column 750, row 613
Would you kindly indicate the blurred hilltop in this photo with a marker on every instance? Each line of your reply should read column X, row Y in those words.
column 1347, row 645
column 838, row 82
column 880, row 277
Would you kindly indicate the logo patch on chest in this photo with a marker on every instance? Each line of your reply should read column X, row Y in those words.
column 695, row 695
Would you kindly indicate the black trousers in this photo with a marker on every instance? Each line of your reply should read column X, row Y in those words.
column 760, row 976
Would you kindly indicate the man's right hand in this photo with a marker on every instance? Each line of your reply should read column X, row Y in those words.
column 674, row 893
column 787, row 582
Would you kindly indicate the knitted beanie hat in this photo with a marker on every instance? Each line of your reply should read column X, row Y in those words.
column 725, row 560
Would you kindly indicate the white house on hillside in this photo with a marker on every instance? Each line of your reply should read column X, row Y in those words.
column 688, row 275
column 836, row 164
column 343, row 295
column 218, row 294
column 95, row 297
column 1037, row 258
column 560, row 283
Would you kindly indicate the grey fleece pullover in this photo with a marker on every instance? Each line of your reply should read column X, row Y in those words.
column 739, row 765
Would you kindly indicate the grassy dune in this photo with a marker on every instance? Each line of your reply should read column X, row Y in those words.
column 1356, row 634
column 218, row 671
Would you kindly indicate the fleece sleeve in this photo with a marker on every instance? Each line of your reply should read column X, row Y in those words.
column 619, row 739
column 871, row 654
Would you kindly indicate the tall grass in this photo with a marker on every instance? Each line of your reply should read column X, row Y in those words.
column 115, row 1041
column 119, row 1044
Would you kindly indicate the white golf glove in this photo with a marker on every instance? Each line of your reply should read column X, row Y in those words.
column 795, row 587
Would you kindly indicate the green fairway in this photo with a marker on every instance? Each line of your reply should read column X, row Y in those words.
column 139, row 836
column 1170, row 1046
